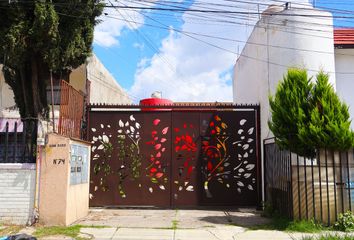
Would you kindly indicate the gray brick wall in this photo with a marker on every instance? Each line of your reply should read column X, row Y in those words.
column 17, row 191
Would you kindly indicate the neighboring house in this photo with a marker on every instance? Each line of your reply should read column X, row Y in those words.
column 91, row 83
column 344, row 60
column 284, row 37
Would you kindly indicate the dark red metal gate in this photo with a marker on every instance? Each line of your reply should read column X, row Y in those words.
column 189, row 156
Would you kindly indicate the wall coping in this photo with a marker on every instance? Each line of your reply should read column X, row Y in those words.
column 18, row 166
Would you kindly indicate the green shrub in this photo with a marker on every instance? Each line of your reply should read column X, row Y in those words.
column 307, row 116
column 345, row 222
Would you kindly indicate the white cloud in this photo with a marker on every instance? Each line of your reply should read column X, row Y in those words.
column 114, row 20
column 189, row 70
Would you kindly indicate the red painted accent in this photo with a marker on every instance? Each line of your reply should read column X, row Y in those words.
column 154, row 102
column 344, row 36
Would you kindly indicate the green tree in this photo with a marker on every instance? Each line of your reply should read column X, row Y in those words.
column 290, row 110
column 307, row 116
column 329, row 125
column 37, row 37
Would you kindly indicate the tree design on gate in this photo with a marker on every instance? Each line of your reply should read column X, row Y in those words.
column 155, row 170
column 186, row 150
column 127, row 142
column 218, row 161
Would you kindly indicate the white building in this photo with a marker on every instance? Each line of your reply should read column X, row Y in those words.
column 344, row 62
column 292, row 37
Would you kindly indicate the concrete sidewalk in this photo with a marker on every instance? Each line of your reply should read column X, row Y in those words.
column 168, row 224
column 219, row 233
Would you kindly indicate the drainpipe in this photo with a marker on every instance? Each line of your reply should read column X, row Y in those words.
column 40, row 145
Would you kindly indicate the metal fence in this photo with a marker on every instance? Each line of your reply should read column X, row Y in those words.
column 308, row 188
column 18, row 142
column 71, row 111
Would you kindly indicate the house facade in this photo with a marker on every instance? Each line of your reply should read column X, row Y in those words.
column 24, row 148
column 344, row 62
column 281, row 39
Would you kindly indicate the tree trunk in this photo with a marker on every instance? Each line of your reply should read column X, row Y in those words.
column 34, row 87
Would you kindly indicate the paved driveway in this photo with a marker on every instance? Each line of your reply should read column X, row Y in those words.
column 168, row 218
column 179, row 224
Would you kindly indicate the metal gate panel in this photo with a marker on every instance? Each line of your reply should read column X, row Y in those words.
column 185, row 153
column 229, row 158
column 175, row 158
column 131, row 158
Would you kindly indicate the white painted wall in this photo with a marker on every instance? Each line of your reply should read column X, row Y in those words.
column 6, row 95
column 104, row 88
column 273, row 47
column 17, row 191
column 345, row 82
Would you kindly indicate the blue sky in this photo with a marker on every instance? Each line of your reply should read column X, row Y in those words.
column 144, row 58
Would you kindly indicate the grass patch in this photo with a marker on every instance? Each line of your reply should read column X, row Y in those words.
column 9, row 230
column 174, row 224
column 284, row 224
column 70, row 231
column 329, row 237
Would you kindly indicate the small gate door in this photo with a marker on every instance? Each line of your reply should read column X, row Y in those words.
column 229, row 158
column 130, row 162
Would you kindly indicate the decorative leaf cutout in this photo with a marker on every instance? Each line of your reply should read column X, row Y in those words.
column 243, row 121
column 93, row 129
column 162, row 187
column 159, row 175
column 247, row 175
column 158, row 154
column 217, row 129
column 245, row 155
column 105, row 139
column 250, row 166
column 120, row 131
column 137, row 125
column 190, row 188
column 250, row 187
column 180, row 188
column 132, row 118
column 250, row 140
column 223, row 125
column 121, row 124
column 240, row 131
column 102, row 126
column 250, row 131
column 217, row 118
column 240, row 184
column 157, row 146
column 218, row 145
column 165, row 130
column 132, row 129
column 156, row 121
column 127, row 124
column 163, row 140
column 151, row 190
column 245, row 146
column 163, row 149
